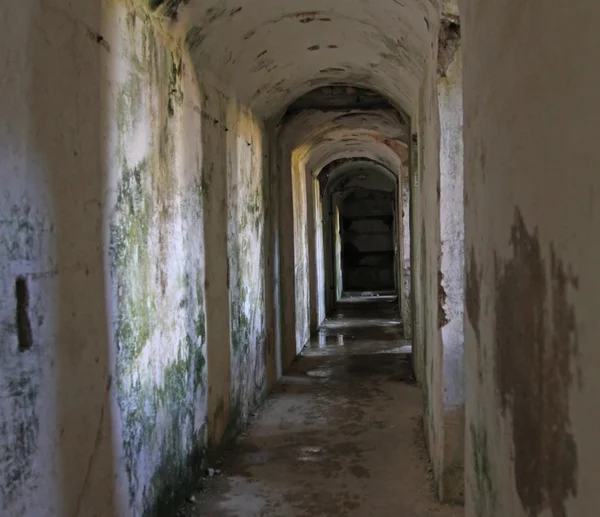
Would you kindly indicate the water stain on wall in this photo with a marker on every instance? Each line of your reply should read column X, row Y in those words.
column 535, row 347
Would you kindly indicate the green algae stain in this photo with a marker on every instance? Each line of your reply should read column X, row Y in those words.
column 485, row 496
column 129, row 235
column 177, row 475
column 247, row 289
column 142, row 403
column 156, row 395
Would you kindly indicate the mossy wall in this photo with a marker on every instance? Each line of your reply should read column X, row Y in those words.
column 110, row 152
column 436, row 220
column 246, row 224
column 156, row 264
column 186, row 150
column 451, row 281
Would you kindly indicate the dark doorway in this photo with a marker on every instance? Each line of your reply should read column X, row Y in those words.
column 367, row 237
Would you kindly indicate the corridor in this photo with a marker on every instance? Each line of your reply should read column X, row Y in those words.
column 359, row 233
column 327, row 442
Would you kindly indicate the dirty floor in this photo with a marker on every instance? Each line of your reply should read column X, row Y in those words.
column 339, row 436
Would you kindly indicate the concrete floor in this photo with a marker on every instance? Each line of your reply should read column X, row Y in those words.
column 341, row 434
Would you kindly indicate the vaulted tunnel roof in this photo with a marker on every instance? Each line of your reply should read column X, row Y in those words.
column 321, row 137
column 271, row 52
column 342, row 170
column 319, row 155
column 313, row 125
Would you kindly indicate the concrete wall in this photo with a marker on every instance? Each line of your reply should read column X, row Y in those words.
column 531, row 220
column 438, row 266
column 301, row 232
column 120, row 171
column 273, row 247
column 56, row 450
column 246, row 251
column 427, row 240
column 438, row 274
column 404, row 250
column 451, row 288
column 329, row 248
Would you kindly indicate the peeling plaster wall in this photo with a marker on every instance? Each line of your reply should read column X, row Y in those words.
column 452, row 275
column 531, row 220
column 427, row 334
column 438, row 266
column 121, row 171
column 293, row 236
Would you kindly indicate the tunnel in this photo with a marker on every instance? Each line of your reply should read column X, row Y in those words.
column 265, row 258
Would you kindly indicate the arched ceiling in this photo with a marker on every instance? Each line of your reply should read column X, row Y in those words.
column 311, row 126
column 320, row 137
column 322, row 153
column 270, row 52
column 369, row 179
column 343, row 170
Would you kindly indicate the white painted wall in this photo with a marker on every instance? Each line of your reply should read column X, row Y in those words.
column 155, row 256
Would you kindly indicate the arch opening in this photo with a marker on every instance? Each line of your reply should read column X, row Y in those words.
column 346, row 125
